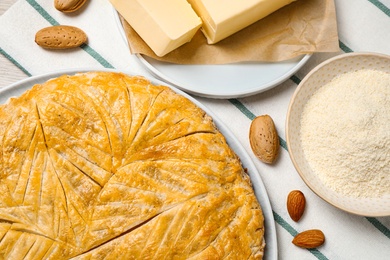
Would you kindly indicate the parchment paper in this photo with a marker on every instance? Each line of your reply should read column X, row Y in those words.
column 302, row 27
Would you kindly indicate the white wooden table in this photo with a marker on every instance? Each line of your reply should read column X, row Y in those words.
column 9, row 73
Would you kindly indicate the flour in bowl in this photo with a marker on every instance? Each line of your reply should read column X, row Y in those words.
column 345, row 133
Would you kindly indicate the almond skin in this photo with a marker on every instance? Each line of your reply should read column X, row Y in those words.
column 68, row 6
column 264, row 139
column 309, row 239
column 60, row 37
column 296, row 203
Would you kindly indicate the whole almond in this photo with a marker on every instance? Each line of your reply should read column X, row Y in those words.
column 68, row 6
column 309, row 239
column 60, row 37
column 296, row 203
column 264, row 139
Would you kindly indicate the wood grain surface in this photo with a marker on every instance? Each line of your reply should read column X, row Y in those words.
column 9, row 73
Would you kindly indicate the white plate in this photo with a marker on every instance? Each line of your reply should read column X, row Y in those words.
column 221, row 81
column 271, row 251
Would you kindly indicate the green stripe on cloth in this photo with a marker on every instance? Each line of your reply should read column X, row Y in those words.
column 43, row 12
column 85, row 47
column 382, row 228
column 344, row 47
column 293, row 233
column 283, row 144
column 243, row 109
column 295, row 79
column 96, row 56
column 381, row 6
column 17, row 64
column 284, row 224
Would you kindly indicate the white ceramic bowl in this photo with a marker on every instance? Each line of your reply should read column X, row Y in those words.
column 317, row 78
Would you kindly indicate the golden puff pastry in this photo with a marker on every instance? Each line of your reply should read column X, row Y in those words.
column 102, row 165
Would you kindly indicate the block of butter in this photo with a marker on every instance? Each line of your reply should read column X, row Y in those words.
column 164, row 25
column 222, row 18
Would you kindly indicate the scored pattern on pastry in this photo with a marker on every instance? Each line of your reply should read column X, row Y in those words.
column 103, row 165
